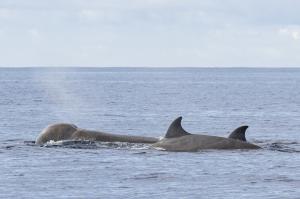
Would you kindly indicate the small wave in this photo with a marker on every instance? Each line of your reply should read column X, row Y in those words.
column 281, row 178
column 87, row 144
column 9, row 147
column 149, row 176
column 74, row 144
column 114, row 115
column 123, row 145
column 283, row 146
column 13, row 143
column 159, row 148
column 30, row 143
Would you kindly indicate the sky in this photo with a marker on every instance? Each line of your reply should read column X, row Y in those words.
column 150, row 33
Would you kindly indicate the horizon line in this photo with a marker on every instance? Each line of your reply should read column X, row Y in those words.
column 93, row 66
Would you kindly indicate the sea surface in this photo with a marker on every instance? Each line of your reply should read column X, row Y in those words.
column 144, row 101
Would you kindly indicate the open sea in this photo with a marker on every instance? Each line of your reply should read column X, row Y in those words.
column 144, row 101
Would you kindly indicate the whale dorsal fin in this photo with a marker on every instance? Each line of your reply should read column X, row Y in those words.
column 239, row 133
column 175, row 129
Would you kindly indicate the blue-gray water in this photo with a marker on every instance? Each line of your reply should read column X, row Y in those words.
column 144, row 102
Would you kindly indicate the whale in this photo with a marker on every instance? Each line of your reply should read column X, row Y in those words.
column 65, row 131
column 177, row 139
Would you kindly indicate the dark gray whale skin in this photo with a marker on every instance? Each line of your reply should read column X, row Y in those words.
column 177, row 139
column 64, row 131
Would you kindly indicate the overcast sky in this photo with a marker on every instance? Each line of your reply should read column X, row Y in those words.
column 203, row 33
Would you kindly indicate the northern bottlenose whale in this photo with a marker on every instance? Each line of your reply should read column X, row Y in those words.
column 177, row 139
column 64, row 131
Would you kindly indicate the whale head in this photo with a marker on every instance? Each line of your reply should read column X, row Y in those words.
column 56, row 132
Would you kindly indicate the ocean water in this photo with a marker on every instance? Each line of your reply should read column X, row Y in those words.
column 144, row 102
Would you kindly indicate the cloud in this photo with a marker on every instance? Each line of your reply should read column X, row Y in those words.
column 34, row 33
column 292, row 32
column 6, row 13
column 88, row 14
column 150, row 32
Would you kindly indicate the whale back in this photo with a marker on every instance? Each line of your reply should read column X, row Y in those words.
column 239, row 133
column 175, row 129
column 184, row 141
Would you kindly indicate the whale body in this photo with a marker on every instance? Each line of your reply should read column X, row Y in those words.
column 64, row 131
column 177, row 139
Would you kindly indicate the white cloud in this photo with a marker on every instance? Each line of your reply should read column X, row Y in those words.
column 34, row 33
column 6, row 13
column 150, row 32
column 88, row 14
column 292, row 32
column 296, row 35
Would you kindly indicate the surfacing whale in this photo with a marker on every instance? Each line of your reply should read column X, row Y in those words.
column 63, row 131
column 177, row 139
